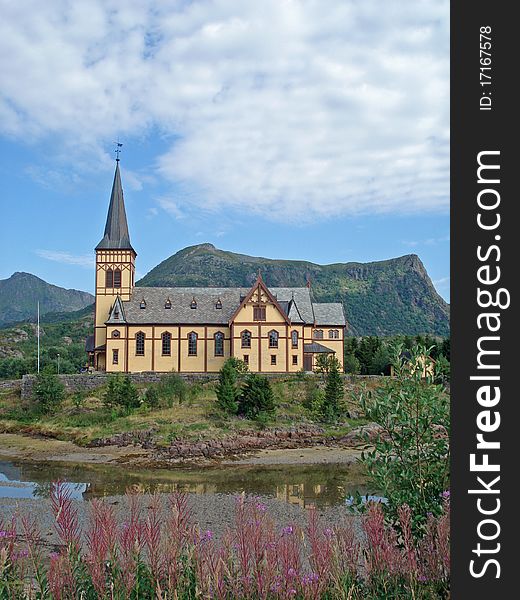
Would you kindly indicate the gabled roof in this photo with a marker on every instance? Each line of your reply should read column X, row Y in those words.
column 329, row 313
column 207, row 301
column 116, row 229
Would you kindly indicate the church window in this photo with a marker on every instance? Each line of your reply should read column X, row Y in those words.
column 143, row 304
column 193, row 303
column 115, row 357
column 115, row 333
column 295, row 359
column 109, row 278
column 318, row 334
column 139, row 343
column 273, row 359
column 116, row 313
column 192, row 344
column 333, row 334
column 166, row 338
column 246, row 339
column 294, row 339
column 117, row 278
column 273, row 339
column 246, row 359
column 218, row 304
column 219, row 344
column 259, row 313
column 168, row 304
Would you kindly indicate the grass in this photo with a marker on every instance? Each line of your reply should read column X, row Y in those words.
column 195, row 419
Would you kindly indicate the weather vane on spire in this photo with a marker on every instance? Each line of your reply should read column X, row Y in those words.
column 118, row 149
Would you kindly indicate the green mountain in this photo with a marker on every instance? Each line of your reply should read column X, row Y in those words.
column 20, row 293
column 388, row 297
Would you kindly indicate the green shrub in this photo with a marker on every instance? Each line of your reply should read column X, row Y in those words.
column 257, row 399
column 151, row 397
column 48, row 392
column 121, row 392
column 173, row 387
column 410, row 463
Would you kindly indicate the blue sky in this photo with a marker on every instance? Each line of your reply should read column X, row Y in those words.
column 270, row 129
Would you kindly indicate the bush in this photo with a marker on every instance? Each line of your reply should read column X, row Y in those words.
column 410, row 462
column 151, row 397
column 173, row 387
column 121, row 392
column 257, row 399
column 48, row 392
column 227, row 390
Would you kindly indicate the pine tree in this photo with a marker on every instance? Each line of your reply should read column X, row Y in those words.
column 333, row 393
column 227, row 390
column 257, row 398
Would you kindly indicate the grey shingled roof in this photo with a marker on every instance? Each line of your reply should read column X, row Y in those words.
column 116, row 229
column 206, row 311
column 329, row 313
column 317, row 348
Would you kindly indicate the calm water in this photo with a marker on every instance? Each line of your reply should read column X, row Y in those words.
column 322, row 485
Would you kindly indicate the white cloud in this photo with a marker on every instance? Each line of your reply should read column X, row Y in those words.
column 427, row 242
column 277, row 107
column 82, row 260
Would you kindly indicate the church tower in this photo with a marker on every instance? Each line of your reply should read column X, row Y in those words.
column 115, row 267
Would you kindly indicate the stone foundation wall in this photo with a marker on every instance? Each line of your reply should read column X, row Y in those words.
column 10, row 384
column 92, row 381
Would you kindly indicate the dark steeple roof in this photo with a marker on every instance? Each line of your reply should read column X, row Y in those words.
column 116, row 230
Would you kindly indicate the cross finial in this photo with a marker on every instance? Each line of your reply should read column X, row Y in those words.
column 118, row 149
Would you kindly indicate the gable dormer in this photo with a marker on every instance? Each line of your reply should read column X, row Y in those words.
column 117, row 313
column 259, row 305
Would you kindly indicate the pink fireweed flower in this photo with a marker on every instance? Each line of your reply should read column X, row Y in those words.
column 287, row 530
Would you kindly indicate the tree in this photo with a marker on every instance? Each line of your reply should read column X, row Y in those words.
column 410, row 461
column 48, row 391
column 380, row 363
column 334, row 391
column 351, row 364
column 257, row 399
column 227, row 390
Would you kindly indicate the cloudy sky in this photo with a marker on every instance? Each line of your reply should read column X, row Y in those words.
column 281, row 128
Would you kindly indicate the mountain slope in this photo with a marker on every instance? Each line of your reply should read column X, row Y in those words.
column 20, row 293
column 389, row 297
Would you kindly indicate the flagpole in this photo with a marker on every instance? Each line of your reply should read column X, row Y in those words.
column 38, row 333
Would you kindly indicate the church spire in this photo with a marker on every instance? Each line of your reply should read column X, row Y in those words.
column 116, row 229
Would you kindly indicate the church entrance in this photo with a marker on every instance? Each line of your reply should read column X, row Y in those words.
column 307, row 362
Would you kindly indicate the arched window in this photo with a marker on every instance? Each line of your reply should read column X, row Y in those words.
column 333, row 334
column 318, row 334
column 143, row 303
column 193, row 303
column 192, row 344
column 117, row 278
column 218, row 304
column 115, row 333
column 109, row 278
column 168, row 303
column 219, row 343
column 273, row 339
column 139, row 343
column 166, row 338
column 294, row 339
column 246, row 339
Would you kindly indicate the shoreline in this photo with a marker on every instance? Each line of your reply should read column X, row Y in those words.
column 39, row 449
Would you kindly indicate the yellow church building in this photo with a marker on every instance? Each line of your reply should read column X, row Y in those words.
column 195, row 329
